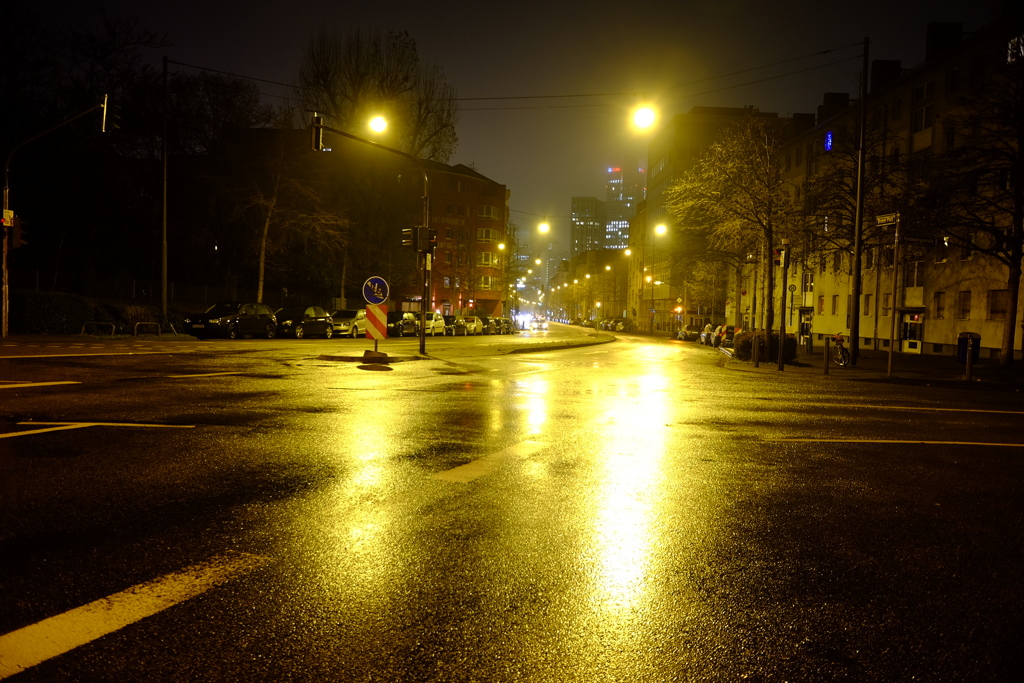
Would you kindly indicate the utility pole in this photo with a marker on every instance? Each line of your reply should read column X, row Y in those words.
column 858, row 228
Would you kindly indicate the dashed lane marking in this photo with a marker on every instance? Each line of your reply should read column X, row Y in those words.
column 79, row 355
column 205, row 374
column 32, row 645
column 23, row 385
column 464, row 474
column 60, row 426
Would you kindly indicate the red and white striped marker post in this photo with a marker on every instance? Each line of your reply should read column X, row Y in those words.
column 377, row 319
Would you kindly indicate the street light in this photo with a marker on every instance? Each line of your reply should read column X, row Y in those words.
column 644, row 117
column 378, row 124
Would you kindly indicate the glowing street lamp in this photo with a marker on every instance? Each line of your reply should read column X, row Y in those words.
column 543, row 228
column 644, row 117
column 378, row 124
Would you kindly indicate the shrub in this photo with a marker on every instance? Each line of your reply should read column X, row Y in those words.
column 743, row 347
column 34, row 312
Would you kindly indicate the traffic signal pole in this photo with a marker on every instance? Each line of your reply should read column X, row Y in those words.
column 317, row 130
column 5, row 216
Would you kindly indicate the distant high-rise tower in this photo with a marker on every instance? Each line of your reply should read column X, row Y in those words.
column 624, row 191
column 588, row 224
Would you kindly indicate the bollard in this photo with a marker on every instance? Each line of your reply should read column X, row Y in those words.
column 970, row 358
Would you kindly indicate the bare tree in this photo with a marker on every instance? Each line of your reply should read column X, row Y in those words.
column 736, row 194
column 350, row 77
column 974, row 192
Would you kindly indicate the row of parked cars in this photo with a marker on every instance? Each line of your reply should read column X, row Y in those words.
column 234, row 320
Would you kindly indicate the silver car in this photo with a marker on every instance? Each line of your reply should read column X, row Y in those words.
column 349, row 322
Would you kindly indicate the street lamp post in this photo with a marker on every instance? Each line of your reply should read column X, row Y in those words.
column 317, row 130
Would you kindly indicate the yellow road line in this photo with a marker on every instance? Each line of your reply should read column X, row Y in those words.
column 205, row 374
column 464, row 474
column 840, row 404
column 32, row 645
column 79, row 355
column 917, row 441
column 22, row 385
column 60, row 426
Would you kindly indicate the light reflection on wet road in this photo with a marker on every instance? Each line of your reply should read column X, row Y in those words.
column 620, row 513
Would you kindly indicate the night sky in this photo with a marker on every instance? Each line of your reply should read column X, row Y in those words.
column 547, row 150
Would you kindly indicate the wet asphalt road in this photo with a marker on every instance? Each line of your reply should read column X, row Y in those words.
column 632, row 511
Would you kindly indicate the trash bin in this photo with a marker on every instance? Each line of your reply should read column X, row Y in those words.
column 961, row 346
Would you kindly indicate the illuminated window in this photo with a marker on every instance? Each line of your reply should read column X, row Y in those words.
column 835, row 304
column 821, row 305
column 867, row 305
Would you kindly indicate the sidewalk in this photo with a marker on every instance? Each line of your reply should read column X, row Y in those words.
column 923, row 370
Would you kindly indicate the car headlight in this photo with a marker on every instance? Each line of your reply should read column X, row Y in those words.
column 214, row 321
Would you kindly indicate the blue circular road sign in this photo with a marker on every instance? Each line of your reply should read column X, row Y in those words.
column 375, row 290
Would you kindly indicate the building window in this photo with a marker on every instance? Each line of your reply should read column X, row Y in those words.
column 835, row 304
column 489, row 212
column 998, row 303
column 448, row 232
column 448, row 209
column 808, row 283
column 459, row 210
column 886, row 304
column 484, row 258
column 914, row 276
column 939, row 305
column 967, row 250
column 869, row 257
column 447, row 281
column 867, row 305
column 448, row 258
column 963, row 305
column 486, row 282
column 821, row 305
column 486, row 235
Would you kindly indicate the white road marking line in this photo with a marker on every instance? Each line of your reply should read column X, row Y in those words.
column 22, row 385
column 79, row 355
column 59, row 426
column 464, row 474
column 924, row 409
column 32, row 645
column 917, row 441
column 205, row 374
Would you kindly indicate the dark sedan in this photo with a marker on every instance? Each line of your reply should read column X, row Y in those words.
column 304, row 321
column 233, row 320
column 455, row 324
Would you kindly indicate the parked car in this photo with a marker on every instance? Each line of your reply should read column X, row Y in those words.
column 233, row 320
column 401, row 324
column 488, row 325
column 349, row 322
column 474, row 325
column 455, row 324
column 505, row 325
column 304, row 321
column 434, row 324
column 688, row 333
column 539, row 325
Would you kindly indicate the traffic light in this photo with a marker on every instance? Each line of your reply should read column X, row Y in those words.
column 431, row 240
column 409, row 237
column 18, row 234
column 317, row 133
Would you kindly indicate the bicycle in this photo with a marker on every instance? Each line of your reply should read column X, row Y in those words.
column 840, row 354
